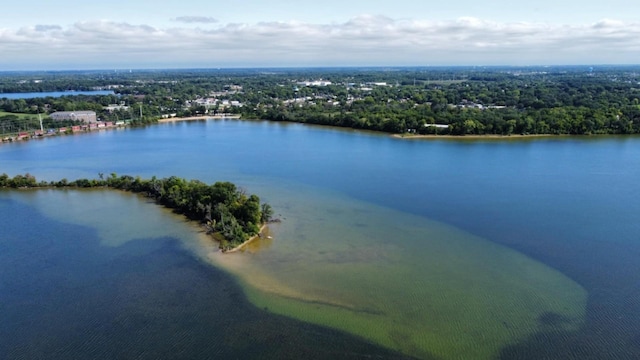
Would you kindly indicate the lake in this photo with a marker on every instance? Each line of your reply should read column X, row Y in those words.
column 434, row 249
column 55, row 94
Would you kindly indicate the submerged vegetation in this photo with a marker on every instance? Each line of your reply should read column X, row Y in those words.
column 228, row 213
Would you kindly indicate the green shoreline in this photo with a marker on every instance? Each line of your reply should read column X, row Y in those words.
column 227, row 213
column 484, row 136
column 404, row 136
column 247, row 242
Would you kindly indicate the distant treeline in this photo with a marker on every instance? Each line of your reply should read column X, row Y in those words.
column 227, row 212
column 553, row 104
column 574, row 100
column 468, row 121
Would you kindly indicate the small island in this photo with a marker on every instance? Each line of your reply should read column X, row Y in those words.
column 229, row 215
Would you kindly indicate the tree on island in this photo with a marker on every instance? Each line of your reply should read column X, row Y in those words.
column 228, row 213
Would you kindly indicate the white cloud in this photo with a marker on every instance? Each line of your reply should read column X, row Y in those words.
column 363, row 40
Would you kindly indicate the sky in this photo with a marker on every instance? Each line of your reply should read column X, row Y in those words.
column 143, row 34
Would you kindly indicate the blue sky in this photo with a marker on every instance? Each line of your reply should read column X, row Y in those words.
column 73, row 34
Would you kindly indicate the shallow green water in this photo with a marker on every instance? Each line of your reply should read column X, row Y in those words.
column 406, row 282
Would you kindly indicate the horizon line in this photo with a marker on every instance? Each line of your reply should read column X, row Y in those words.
column 131, row 69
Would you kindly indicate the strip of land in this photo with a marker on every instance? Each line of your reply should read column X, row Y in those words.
column 259, row 235
column 203, row 117
column 230, row 215
column 486, row 136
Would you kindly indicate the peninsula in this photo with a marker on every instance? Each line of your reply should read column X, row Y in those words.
column 228, row 214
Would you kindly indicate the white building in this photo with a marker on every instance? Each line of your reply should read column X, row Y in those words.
column 113, row 107
column 84, row 116
column 314, row 83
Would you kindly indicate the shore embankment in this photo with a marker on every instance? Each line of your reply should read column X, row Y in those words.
column 86, row 128
column 202, row 117
column 462, row 137
column 259, row 235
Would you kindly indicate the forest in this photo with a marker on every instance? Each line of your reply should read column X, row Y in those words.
column 572, row 100
column 229, row 214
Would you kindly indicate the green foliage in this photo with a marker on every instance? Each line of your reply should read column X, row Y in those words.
column 473, row 100
column 234, row 215
column 18, row 181
column 267, row 213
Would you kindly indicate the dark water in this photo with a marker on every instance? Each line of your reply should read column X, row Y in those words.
column 570, row 203
column 65, row 296
column 31, row 95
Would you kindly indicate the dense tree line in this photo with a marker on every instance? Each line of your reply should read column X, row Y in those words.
column 229, row 214
column 475, row 103
column 470, row 100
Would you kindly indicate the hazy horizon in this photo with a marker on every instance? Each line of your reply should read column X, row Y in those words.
column 586, row 67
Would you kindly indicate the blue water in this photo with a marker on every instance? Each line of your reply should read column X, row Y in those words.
column 55, row 94
column 64, row 295
column 571, row 203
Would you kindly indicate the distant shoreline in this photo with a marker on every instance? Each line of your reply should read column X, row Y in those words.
column 202, row 117
column 487, row 136
column 85, row 128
